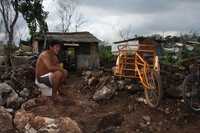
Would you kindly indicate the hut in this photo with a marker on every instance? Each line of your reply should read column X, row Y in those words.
column 79, row 49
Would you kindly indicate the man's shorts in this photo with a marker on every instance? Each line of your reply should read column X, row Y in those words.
column 46, row 79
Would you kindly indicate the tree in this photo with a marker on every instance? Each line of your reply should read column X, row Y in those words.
column 1, row 26
column 10, row 13
column 198, row 39
column 105, row 54
column 69, row 16
column 66, row 11
column 35, row 16
column 33, row 13
column 80, row 21
column 2, row 31
column 1, row 23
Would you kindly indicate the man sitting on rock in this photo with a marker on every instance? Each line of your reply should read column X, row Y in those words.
column 48, row 69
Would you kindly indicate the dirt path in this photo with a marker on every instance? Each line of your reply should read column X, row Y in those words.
column 121, row 114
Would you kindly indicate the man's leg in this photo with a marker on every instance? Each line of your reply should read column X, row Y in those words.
column 65, row 75
column 57, row 79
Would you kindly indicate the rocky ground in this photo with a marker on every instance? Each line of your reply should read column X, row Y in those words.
column 90, row 103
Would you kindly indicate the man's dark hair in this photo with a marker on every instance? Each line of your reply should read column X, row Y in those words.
column 53, row 42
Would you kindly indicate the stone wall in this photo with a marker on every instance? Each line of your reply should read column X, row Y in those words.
column 19, row 60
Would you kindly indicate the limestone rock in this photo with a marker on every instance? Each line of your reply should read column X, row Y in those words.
column 105, row 93
column 25, row 93
column 5, row 121
column 29, row 123
column 146, row 118
column 21, row 119
column 92, row 81
column 8, row 96
column 67, row 125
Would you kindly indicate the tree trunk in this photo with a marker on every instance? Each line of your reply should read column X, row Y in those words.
column 9, row 26
column 8, row 54
column 10, row 38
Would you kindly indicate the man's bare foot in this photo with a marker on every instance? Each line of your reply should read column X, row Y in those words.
column 60, row 92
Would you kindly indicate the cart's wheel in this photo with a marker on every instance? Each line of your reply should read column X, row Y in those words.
column 191, row 93
column 154, row 93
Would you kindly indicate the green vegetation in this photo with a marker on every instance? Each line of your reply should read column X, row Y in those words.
column 178, row 57
column 106, row 57
column 35, row 16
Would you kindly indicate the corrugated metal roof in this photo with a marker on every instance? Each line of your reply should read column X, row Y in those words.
column 71, row 37
column 193, row 42
column 132, row 39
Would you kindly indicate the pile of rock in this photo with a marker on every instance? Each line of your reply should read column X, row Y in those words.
column 104, row 85
column 172, row 79
column 25, row 121
column 17, row 96
column 28, row 122
column 99, row 83
column 92, row 78
column 6, row 121
column 17, row 86
column 8, row 97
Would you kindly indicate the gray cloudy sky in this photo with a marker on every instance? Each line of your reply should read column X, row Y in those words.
column 107, row 17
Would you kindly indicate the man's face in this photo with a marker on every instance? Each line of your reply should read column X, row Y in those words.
column 56, row 49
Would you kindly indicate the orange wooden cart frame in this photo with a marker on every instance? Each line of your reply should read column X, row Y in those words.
column 142, row 60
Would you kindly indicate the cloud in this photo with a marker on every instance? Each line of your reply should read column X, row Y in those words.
column 133, row 6
column 106, row 17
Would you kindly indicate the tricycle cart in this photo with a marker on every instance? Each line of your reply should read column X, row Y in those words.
column 141, row 63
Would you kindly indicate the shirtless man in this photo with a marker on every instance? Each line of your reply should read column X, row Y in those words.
column 48, row 69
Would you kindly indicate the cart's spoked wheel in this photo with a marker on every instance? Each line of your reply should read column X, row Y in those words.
column 192, row 93
column 153, row 93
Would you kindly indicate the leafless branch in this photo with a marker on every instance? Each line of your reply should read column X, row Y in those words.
column 9, row 12
column 80, row 21
column 66, row 11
